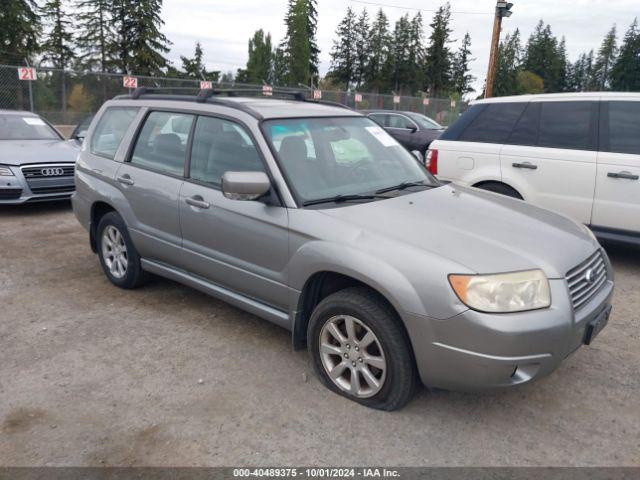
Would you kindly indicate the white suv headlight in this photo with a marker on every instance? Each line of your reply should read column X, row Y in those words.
column 5, row 172
column 504, row 292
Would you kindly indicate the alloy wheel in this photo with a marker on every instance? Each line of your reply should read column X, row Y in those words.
column 114, row 251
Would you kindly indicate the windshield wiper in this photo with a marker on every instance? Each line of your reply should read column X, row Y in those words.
column 402, row 186
column 342, row 198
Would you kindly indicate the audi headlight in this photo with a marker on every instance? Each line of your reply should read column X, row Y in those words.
column 504, row 292
column 5, row 172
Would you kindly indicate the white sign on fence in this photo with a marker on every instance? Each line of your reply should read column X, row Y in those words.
column 453, row 104
column 27, row 73
column 130, row 82
column 396, row 99
column 317, row 94
column 267, row 90
column 358, row 97
column 206, row 85
column 425, row 102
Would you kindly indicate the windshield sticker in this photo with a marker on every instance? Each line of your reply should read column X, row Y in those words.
column 383, row 137
column 33, row 121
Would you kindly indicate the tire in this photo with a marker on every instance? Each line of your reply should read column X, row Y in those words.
column 113, row 242
column 500, row 188
column 388, row 358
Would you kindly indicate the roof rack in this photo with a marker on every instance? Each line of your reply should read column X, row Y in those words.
column 213, row 96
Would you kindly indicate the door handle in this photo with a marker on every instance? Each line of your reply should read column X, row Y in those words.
column 527, row 165
column 125, row 180
column 197, row 202
column 625, row 175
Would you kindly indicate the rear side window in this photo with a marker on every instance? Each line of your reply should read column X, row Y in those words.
column 110, row 130
column 456, row 128
column 494, row 124
column 221, row 146
column 566, row 125
column 162, row 142
column 621, row 128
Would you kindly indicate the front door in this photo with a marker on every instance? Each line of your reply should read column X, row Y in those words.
column 240, row 245
column 151, row 181
column 617, row 198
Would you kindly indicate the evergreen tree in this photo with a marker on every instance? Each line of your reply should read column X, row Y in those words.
column 95, row 34
column 438, row 58
column 544, row 57
column 140, row 45
column 415, row 55
column 343, row 54
column 195, row 67
column 605, row 60
column 362, row 48
column 462, row 79
column 279, row 73
column 401, row 70
column 625, row 74
column 260, row 62
column 299, row 47
column 378, row 69
column 20, row 27
column 509, row 64
column 57, row 47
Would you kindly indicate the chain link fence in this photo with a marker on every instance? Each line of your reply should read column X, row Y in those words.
column 67, row 97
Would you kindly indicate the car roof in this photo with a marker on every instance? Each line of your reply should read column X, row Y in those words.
column 258, row 107
column 403, row 112
column 22, row 113
column 550, row 97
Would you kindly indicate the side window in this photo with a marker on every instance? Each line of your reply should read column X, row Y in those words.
column 400, row 121
column 379, row 118
column 624, row 128
column 526, row 130
column 566, row 125
column 221, row 146
column 110, row 130
column 162, row 142
column 494, row 123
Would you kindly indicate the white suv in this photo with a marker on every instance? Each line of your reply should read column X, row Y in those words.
column 576, row 153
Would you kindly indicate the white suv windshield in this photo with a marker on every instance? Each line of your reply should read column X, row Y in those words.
column 25, row 127
column 327, row 157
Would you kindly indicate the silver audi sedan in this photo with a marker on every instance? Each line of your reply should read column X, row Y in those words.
column 36, row 162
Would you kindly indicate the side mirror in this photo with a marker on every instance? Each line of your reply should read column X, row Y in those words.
column 418, row 155
column 413, row 129
column 245, row 185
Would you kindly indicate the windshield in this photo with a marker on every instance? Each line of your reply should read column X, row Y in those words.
column 23, row 127
column 425, row 122
column 327, row 157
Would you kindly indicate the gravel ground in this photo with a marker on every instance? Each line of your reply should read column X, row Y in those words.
column 164, row 375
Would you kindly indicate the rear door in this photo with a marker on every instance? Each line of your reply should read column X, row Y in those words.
column 617, row 197
column 550, row 157
column 240, row 245
column 151, row 180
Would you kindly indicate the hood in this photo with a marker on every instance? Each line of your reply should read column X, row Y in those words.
column 23, row 152
column 485, row 232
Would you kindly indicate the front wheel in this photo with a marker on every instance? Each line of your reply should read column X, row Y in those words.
column 360, row 350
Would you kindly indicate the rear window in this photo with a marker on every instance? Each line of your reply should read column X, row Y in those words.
column 621, row 128
column 110, row 130
column 566, row 125
column 494, row 123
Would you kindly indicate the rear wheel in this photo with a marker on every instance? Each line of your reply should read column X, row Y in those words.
column 501, row 188
column 118, row 256
column 360, row 350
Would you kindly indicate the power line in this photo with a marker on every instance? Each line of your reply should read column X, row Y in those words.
column 376, row 4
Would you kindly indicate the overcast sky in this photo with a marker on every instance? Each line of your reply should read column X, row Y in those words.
column 225, row 26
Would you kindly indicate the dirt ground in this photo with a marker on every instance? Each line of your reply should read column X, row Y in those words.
column 93, row 375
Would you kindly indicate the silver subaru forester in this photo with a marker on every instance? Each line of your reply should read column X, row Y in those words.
column 311, row 216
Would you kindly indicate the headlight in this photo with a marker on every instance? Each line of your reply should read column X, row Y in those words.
column 503, row 293
column 5, row 172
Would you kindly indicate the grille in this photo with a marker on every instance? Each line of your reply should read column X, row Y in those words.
column 10, row 193
column 45, row 190
column 586, row 279
column 48, row 171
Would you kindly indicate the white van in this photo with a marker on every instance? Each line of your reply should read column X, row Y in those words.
column 576, row 153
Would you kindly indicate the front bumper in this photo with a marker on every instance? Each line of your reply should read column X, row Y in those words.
column 476, row 351
column 17, row 189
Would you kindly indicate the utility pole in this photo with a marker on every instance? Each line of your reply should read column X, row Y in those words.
column 503, row 9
